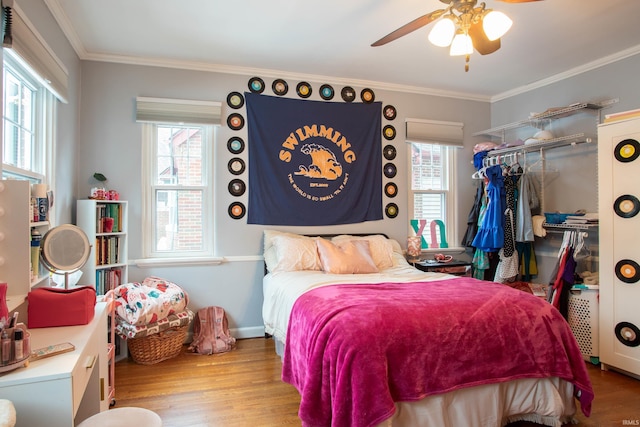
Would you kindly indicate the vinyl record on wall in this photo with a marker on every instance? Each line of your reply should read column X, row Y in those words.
column 367, row 96
column 326, row 92
column 627, row 151
column 628, row 334
column 389, row 132
column 235, row 145
column 280, row 87
column 256, row 85
column 391, row 190
column 389, row 112
column 348, row 94
column 235, row 121
column 236, row 166
column 237, row 187
column 390, row 170
column 626, row 206
column 391, row 210
column 237, row 210
column 235, row 100
column 303, row 89
column 627, row 271
column 389, row 152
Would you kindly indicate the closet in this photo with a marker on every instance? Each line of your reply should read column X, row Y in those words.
column 619, row 208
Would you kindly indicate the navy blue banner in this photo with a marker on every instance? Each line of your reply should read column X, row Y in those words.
column 313, row 162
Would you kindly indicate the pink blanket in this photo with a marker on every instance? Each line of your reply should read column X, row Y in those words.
column 352, row 350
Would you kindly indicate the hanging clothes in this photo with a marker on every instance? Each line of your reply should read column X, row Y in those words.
column 508, row 268
column 490, row 236
column 527, row 200
column 564, row 274
column 474, row 216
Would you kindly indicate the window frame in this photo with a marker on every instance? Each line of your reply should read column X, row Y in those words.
column 150, row 187
column 449, row 152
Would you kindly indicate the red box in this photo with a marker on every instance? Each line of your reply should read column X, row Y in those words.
column 48, row 307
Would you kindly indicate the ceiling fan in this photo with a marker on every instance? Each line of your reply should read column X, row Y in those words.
column 463, row 26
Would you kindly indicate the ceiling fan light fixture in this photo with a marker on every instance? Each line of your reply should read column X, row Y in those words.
column 442, row 33
column 496, row 24
column 461, row 45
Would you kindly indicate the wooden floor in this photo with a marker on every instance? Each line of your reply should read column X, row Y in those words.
column 243, row 388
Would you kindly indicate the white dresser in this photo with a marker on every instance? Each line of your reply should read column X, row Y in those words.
column 62, row 390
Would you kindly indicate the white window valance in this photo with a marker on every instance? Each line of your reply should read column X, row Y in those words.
column 29, row 46
column 166, row 110
column 435, row 132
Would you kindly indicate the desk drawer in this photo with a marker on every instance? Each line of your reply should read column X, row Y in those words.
column 87, row 362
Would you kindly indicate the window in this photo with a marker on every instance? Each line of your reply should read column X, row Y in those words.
column 432, row 147
column 179, row 207
column 27, row 127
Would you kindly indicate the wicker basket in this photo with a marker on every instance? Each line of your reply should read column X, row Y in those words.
column 157, row 347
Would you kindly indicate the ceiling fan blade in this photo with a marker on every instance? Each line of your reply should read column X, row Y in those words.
column 481, row 43
column 410, row 27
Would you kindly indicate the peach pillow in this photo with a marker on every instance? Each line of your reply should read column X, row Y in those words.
column 346, row 257
column 381, row 248
column 295, row 253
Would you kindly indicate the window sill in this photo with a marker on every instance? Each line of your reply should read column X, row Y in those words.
column 171, row 262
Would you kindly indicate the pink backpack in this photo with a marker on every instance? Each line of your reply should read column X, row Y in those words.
column 211, row 332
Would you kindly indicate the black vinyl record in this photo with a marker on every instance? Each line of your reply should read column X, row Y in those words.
column 627, row 271
column 389, row 132
column 628, row 334
column 256, row 85
column 236, row 166
column 391, row 210
column 367, row 96
column 389, row 112
column 390, row 170
column 627, row 151
column 391, row 190
column 237, row 187
column 237, row 210
column 303, row 89
column 235, row 145
column 235, row 100
column 348, row 94
column 280, row 87
column 389, row 152
column 626, row 206
column 326, row 92
column 235, row 121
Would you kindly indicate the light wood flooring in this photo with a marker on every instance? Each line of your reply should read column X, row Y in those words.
column 243, row 388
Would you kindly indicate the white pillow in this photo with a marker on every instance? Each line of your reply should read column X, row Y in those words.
column 381, row 248
column 293, row 254
column 346, row 257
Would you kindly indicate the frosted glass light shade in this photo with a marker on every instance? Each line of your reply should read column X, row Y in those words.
column 442, row 33
column 496, row 24
column 461, row 45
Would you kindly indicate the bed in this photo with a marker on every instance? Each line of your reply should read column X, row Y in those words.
column 370, row 341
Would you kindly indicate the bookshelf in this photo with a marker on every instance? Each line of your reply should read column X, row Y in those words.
column 105, row 224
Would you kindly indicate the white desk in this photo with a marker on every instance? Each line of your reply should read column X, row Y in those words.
column 62, row 390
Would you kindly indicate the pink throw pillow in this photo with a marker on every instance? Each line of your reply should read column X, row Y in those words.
column 346, row 257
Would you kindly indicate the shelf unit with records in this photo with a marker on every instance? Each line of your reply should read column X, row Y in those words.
column 105, row 224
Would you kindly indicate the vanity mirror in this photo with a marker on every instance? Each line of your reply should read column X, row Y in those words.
column 64, row 250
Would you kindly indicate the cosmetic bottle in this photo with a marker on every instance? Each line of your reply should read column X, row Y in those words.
column 6, row 348
column 18, row 345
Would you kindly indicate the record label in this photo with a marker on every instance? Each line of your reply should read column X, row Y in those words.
column 235, row 121
column 391, row 190
column 626, row 206
column 389, row 112
column 235, row 100
column 303, row 89
column 237, row 187
column 256, row 85
column 280, row 87
column 237, row 210
column 627, row 151
column 389, row 132
column 628, row 334
column 628, row 271
column 367, row 96
column 391, row 210
column 326, row 92
column 235, row 145
column 236, row 166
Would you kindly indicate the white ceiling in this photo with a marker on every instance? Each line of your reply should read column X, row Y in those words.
column 329, row 40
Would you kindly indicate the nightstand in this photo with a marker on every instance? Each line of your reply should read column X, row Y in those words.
column 455, row 267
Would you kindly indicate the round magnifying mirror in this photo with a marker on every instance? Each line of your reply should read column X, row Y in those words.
column 64, row 249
